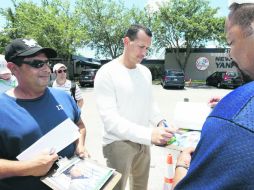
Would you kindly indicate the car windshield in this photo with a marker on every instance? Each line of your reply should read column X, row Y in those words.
column 87, row 73
column 175, row 73
column 232, row 74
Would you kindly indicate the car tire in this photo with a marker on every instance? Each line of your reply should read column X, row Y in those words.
column 219, row 85
column 163, row 85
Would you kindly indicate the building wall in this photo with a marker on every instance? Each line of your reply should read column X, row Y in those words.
column 202, row 62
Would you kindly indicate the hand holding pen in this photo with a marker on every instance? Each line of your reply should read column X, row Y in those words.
column 174, row 129
column 163, row 133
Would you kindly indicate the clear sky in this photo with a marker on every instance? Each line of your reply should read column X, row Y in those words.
column 222, row 4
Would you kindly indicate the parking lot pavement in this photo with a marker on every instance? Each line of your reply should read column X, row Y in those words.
column 166, row 100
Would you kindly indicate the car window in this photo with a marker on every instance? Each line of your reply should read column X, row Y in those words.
column 88, row 73
column 232, row 74
column 175, row 73
column 214, row 74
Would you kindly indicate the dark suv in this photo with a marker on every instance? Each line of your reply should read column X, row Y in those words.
column 173, row 78
column 87, row 77
column 229, row 79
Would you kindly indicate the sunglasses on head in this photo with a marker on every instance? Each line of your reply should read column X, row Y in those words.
column 60, row 71
column 37, row 63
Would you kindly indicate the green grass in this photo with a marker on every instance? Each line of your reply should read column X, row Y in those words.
column 198, row 81
column 158, row 82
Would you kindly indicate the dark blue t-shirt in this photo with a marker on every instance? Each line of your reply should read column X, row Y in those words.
column 224, row 157
column 23, row 122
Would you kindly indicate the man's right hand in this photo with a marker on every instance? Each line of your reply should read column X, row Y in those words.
column 40, row 165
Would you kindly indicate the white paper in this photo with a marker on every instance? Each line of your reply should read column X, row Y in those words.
column 191, row 115
column 57, row 139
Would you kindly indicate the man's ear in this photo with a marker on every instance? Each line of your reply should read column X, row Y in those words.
column 126, row 40
column 252, row 26
column 12, row 66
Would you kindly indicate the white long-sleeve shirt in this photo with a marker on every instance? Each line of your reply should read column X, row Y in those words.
column 125, row 102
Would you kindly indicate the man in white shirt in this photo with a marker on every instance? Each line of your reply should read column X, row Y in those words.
column 123, row 90
column 68, row 86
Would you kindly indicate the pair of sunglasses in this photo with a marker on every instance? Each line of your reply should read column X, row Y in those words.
column 37, row 63
column 60, row 71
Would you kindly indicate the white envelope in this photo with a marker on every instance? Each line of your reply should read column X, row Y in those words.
column 57, row 139
column 191, row 115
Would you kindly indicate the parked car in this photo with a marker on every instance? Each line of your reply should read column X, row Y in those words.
column 87, row 77
column 228, row 79
column 173, row 78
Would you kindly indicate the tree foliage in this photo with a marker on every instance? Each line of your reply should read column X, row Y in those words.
column 52, row 24
column 101, row 24
column 186, row 24
column 106, row 22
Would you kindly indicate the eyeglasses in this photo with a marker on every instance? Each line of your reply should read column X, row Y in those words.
column 60, row 71
column 37, row 63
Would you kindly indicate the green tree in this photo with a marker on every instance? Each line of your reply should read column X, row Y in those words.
column 186, row 24
column 52, row 23
column 106, row 22
column 7, row 32
column 4, row 40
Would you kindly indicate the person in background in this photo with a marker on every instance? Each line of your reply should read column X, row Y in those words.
column 66, row 85
column 7, row 80
column 123, row 90
column 223, row 159
column 28, row 112
column 213, row 101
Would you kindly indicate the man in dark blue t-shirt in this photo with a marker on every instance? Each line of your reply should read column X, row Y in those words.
column 223, row 159
column 28, row 112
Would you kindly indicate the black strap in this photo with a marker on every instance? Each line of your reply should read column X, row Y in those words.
column 182, row 166
column 50, row 84
column 73, row 90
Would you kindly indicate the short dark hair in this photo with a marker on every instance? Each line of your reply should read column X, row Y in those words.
column 133, row 30
column 242, row 15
